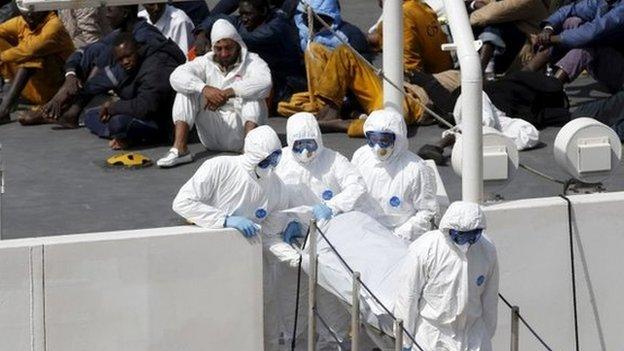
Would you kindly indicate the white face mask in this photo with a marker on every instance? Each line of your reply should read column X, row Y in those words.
column 305, row 156
column 382, row 154
column 263, row 172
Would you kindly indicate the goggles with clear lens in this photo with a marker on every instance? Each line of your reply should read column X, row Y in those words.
column 383, row 139
column 469, row 237
column 304, row 144
column 272, row 160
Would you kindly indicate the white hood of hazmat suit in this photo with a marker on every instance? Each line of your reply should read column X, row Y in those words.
column 448, row 299
column 402, row 188
column 328, row 178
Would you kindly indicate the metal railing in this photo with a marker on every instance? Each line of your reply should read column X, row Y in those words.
column 399, row 329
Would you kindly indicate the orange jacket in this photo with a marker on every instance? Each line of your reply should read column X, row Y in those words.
column 422, row 38
column 49, row 38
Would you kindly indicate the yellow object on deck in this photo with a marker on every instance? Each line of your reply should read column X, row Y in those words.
column 131, row 159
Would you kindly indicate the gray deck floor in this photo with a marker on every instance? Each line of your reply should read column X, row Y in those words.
column 56, row 181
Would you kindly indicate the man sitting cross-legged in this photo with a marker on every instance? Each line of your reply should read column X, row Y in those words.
column 334, row 73
column 143, row 113
column 33, row 49
column 222, row 93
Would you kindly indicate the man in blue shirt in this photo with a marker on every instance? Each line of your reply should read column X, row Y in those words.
column 586, row 35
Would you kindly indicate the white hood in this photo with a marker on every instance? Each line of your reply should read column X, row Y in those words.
column 222, row 29
column 463, row 216
column 389, row 121
column 303, row 125
column 259, row 144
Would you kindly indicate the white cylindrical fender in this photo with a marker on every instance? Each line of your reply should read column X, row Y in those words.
column 588, row 150
column 499, row 151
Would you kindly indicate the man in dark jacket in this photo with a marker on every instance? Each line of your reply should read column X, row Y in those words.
column 586, row 35
column 143, row 113
column 228, row 7
column 123, row 19
column 196, row 10
column 267, row 33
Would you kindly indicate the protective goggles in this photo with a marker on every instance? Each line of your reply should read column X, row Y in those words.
column 469, row 237
column 304, row 144
column 383, row 139
column 272, row 160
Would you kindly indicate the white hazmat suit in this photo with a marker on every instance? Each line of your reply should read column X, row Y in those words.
column 448, row 299
column 223, row 129
column 523, row 133
column 402, row 188
column 229, row 186
column 328, row 178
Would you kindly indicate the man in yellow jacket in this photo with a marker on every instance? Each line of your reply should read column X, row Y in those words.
column 33, row 50
column 333, row 74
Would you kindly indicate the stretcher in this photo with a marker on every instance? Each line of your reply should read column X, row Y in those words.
column 373, row 251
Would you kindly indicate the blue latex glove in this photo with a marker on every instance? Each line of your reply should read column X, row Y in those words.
column 322, row 211
column 292, row 231
column 242, row 224
column 407, row 349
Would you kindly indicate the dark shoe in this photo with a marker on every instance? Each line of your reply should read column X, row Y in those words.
column 432, row 152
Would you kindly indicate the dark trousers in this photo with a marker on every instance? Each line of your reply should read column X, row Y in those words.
column 609, row 111
column 122, row 127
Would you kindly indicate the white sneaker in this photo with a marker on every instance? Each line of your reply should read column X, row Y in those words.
column 173, row 158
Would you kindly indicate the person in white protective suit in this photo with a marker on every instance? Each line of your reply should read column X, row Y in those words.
column 221, row 93
column 240, row 192
column 401, row 187
column 243, row 192
column 321, row 177
column 524, row 134
column 448, row 299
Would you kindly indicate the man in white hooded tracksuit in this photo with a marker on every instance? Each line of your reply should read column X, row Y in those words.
column 401, row 187
column 448, row 299
column 236, row 192
column 320, row 177
column 221, row 93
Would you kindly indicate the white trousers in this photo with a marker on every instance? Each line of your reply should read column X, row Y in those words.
column 221, row 130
